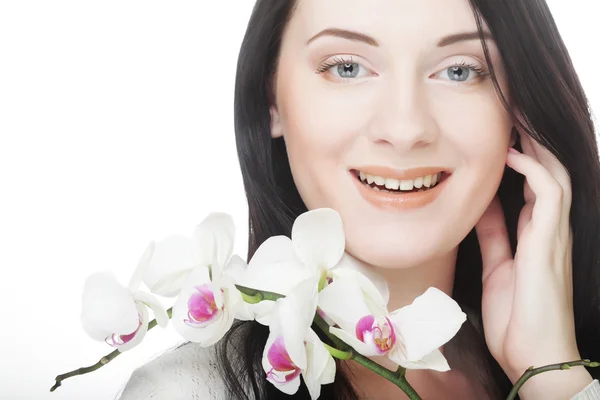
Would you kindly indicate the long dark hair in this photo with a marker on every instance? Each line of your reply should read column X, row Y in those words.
column 543, row 86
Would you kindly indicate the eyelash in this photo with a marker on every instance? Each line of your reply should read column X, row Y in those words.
column 339, row 60
column 335, row 62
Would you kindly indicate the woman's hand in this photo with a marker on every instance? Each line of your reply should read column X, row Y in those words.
column 527, row 302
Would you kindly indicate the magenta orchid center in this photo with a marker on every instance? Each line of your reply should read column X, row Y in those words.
column 283, row 370
column 115, row 340
column 377, row 332
column 202, row 307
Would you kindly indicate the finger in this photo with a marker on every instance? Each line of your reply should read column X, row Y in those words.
column 561, row 175
column 547, row 212
column 493, row 238
column 524, row 218
column 550, row 162
column 558, row 172
column 527, row 149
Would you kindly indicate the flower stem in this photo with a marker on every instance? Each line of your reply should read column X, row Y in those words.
column 534, row 371
column 256, row 296
column 103, row 361
column 396, row 377
column 339, row 354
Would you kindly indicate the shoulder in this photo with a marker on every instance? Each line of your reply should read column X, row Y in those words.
column 185, row 372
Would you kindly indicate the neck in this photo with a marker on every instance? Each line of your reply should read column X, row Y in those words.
column 405, row 284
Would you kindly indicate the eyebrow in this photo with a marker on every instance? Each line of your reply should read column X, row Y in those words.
column 361, row 37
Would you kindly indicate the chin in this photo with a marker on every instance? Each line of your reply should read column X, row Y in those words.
column 392, row 254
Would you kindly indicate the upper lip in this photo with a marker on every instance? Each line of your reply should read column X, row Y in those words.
column 404, row 174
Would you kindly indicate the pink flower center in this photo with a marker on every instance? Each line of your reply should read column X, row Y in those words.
column 282, row 369
column 202, row 308
column 378, row 332
column 115, row 340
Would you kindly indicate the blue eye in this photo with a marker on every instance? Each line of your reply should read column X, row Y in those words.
column 349, row 70
column 345, row 68
column 462, row 71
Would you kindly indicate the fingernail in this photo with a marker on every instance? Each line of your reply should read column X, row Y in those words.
column 513, row 150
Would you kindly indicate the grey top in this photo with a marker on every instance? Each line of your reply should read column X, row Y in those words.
column 189, row 372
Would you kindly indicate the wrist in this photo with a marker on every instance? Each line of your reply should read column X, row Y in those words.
column 557, row 384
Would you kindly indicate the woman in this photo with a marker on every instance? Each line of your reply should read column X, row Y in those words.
column 352, row 104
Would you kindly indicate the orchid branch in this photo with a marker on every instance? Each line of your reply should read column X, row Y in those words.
column 103, row 361
column 344, row 351
column 535, row 371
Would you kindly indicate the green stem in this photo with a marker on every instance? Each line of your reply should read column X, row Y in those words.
column 259, row 295
column 339, row 354
column 103, row 361
column 553, row 367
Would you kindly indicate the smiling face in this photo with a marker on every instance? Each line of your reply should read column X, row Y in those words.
column 372, row 87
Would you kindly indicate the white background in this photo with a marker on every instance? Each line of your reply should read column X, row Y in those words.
column 116, row 127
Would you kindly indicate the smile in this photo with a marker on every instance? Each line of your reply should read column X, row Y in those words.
column 400, row 191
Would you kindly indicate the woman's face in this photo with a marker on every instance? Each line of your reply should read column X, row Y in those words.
column 373, row 87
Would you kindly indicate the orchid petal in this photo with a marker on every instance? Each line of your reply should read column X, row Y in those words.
column 434, row 361
column 349, row 262
column 107, row 307
column 169, row 266
column 318, row 371
column 213, row 240
column 136, row 278
column 288, row 386
column 162, row 318
column 343, row 303
column 93, row 330
column 352, row 340
column 141, row 332
column 237, row 305
column 235, row 268
column 263, row 312
column 274, row 267
column 371, row 295
column 321, row 363
column 428, row 323
column 318, row 238
column 295, row 316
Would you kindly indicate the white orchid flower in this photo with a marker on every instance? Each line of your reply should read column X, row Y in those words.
column 176, row 256
column 293, row 348
column 410, row 336
column 206, row 308
column 315, row 249
column 116, row 314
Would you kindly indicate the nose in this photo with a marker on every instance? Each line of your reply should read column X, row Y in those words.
column 403, row 119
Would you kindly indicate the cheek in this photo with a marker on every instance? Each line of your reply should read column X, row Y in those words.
column 318, row 133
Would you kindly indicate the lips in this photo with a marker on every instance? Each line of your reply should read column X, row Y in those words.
column 396, row 199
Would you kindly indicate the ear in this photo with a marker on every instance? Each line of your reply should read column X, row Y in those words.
column 513, row 137
column 276, row 126
column 514, row 132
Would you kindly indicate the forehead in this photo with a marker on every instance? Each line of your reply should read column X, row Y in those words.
column 389, row 21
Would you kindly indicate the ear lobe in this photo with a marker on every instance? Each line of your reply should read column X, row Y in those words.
column 276, row 126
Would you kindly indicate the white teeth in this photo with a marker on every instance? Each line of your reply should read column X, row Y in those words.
column 406, row 185
column 379, row 180
column 422, row 182
column 427, row 181
column 392, row 184
column 418, row 182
